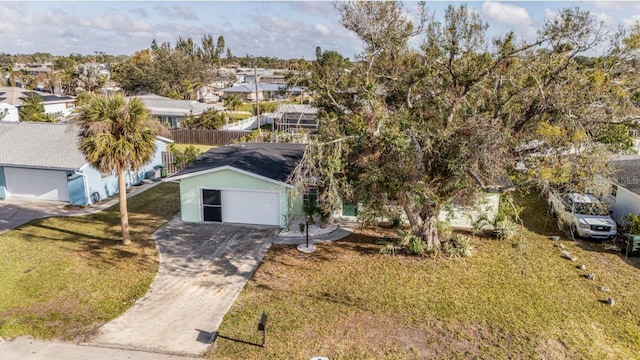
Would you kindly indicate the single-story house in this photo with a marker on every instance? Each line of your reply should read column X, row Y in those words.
column 53, row 103
column 42, row 161
column 625, row 189
column 242, row 183
column 247, row 91
column 457, row 215
column 172, row 111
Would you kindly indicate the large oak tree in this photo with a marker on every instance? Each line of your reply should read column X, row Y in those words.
column 422, row 126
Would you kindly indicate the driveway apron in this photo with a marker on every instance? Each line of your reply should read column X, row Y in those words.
column 203, row 268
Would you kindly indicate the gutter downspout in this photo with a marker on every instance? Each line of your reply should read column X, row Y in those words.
column 86, row 185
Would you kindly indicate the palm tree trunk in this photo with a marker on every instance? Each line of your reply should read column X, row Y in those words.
column 124, row 215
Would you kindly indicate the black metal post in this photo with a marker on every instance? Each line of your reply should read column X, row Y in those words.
column 307, row 227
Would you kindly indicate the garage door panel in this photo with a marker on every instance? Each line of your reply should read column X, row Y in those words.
column 36, row 184
column 251, row 207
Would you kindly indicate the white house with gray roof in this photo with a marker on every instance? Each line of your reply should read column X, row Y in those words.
column 42, row 161
column 625, row 188
column 53, row 103
column 172, row 111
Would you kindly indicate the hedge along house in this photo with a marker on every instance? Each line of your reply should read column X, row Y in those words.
column 42, row 161
column 242, row 183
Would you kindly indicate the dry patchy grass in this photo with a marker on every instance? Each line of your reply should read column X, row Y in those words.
column 63, row 274
column 513, row 299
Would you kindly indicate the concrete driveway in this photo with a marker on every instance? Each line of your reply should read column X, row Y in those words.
column 203, row 268
column 15, row 212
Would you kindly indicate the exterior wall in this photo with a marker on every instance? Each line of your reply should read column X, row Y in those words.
column 626, row 202
column 460, row 217
column 76, row 188
column 64, row 108
column 225, row 179
column 105, row 186
column 10, row 111
column 3, row 184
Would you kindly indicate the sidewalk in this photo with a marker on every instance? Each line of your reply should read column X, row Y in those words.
column 26, row 348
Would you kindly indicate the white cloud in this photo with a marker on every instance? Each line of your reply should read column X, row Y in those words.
column 631, row 21
column 506, row 13
column 322, row 29
column 550, row 14
column 177, row 12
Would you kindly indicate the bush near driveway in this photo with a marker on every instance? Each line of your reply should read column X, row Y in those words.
column 516, row 299
column 61, row 275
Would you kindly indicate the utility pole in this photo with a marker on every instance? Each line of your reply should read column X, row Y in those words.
column 255, row 74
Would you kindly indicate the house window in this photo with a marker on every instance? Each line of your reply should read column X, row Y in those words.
column 211, row 205
column 172, row 121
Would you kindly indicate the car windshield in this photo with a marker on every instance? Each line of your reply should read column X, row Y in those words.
column 598, row 209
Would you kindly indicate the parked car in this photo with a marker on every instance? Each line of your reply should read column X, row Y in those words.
column 583, row 214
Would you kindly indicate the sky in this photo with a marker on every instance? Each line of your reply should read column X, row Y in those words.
column 282, row 29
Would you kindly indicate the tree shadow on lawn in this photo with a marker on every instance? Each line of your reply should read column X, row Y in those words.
column 609, row 247
column 102, row 249
column 326, row 251
column 536, row 216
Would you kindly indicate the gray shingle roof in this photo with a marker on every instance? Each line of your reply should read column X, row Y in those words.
column 40, row 145
column 273, row 161
column 15, row 96
column 251, row 87
column 160, row 105
column 627, row 174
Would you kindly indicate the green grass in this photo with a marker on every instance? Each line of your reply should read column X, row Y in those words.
column 62, row 275
column 512, row 299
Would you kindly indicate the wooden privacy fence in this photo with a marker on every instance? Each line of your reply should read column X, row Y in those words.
column 206, row 137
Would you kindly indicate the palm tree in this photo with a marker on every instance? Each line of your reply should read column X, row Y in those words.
column 233, row 103
column 116, row 135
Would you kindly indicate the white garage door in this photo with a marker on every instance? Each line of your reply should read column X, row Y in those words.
column 250, row 207
column 36, row 184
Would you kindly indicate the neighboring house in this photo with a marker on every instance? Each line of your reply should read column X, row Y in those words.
column 296, row 117
column 172, row 111
column 8, row 113
column 53, row 103
column 267, row 76
column 247, row 91
column 242, row 183
column 625, row 190
column 462, row 217
column 42, row 161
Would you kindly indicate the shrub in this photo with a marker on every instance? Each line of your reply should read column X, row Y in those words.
column 458, row 246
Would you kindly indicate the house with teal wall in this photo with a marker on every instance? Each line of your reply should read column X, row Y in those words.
column 42, row 161
column 242, row 184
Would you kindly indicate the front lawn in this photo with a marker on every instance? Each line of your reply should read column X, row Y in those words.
column 512, row 299
column 61, row 275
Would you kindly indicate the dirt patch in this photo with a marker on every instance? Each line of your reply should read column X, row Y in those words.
column 552, row 349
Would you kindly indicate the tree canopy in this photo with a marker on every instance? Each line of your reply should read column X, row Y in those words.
column 174, row 71
column 424, row 127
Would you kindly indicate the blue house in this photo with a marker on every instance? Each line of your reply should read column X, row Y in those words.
column 42, row 161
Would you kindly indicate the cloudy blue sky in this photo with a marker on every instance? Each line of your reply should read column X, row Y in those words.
column 284, row 29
